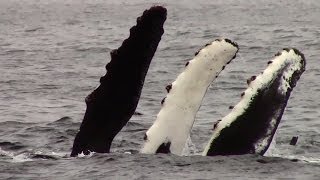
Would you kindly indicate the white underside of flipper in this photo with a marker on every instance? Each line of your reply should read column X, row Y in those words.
column 289, row 60
column 185, row 94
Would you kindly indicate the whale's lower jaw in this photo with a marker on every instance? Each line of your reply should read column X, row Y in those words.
column 111, row 105
column 172, row 127
column 252, row 123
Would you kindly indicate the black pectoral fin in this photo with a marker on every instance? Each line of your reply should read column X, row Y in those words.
column 111, row 105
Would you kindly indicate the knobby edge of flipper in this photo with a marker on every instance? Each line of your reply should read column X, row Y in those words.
column 252, row 123
column 111, row 105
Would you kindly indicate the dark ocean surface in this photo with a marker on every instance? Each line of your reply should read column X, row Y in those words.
column 53, row 52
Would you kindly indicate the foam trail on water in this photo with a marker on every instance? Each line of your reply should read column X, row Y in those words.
column 111, row 105
column 251, row 125
column 174, row 121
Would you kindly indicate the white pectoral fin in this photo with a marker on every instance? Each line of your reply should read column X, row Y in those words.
column 252, row 123
column 172, row 127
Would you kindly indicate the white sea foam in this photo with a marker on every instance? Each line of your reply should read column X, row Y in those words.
column 82, row 155
column 16, row 158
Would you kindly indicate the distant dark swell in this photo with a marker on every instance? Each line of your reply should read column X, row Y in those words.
column 112, row 104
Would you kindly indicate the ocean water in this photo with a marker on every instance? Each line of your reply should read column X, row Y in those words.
column 53, row 52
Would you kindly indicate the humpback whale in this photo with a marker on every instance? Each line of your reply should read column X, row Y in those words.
column 111, row 105
column 176, row 117
column 252, row 123
column 248, row 128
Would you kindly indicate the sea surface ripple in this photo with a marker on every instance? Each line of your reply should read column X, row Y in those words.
column 52, row 54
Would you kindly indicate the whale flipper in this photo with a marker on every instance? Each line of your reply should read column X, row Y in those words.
column 251, row 125
column 111, row 105
column 175, row 120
